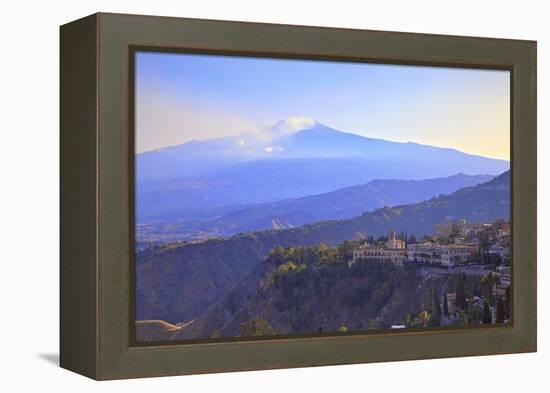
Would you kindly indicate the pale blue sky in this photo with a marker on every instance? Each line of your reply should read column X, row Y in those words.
column 180, row 97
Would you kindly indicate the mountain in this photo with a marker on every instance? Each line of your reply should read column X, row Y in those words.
column 296, row 138
column 293, row 159
column 177, row 283
column 199, row 157
column 343, row 203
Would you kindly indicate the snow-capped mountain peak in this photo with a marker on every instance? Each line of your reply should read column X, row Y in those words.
column 293, row 124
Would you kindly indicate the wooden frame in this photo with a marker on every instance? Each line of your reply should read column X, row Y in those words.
column 96, row 194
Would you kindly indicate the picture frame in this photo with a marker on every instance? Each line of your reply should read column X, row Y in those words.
column 97, row 194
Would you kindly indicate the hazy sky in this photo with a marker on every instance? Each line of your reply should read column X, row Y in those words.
column 180, row 97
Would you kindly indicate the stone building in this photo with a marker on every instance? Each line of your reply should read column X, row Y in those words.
column 393, row 251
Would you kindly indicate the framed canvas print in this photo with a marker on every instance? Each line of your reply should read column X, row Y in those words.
column 240, row 196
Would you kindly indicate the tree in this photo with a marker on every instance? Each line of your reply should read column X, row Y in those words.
column 436, row 309
column 322, row 247
column 409, row 321
column 445, row 305
column 460, row 293
column 345, row 250
column 484, row 245
column 501, row 310
column 486, row 318
column 463, row 320
column 256, row 327
column 372, row 324
column 487, row 284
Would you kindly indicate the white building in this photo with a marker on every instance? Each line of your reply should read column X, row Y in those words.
column 444, row 255
column 393, row 255
column 501, row 251
column 396, row 252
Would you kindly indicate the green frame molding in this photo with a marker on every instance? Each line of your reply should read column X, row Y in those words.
column 97, row 196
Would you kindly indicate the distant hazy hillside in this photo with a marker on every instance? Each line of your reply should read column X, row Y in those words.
column 179, row 283
column 289, row 160
column 343, row 203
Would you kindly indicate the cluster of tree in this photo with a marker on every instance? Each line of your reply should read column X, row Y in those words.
column 430, row 317
column 320, row 254
column 304, row 282
column 280, row 272
column 490, row 308
column 501, row 304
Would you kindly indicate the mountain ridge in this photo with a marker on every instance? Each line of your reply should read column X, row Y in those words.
column 292, row 159
column 271, row 143
column 339, row 204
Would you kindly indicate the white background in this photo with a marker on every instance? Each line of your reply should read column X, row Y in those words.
column 29, row 194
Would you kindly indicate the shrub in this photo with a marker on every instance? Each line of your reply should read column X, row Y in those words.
column 256, row 327
column 274, row 276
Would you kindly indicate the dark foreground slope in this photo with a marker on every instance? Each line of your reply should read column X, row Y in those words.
column 308, row 290
column 178, row 283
